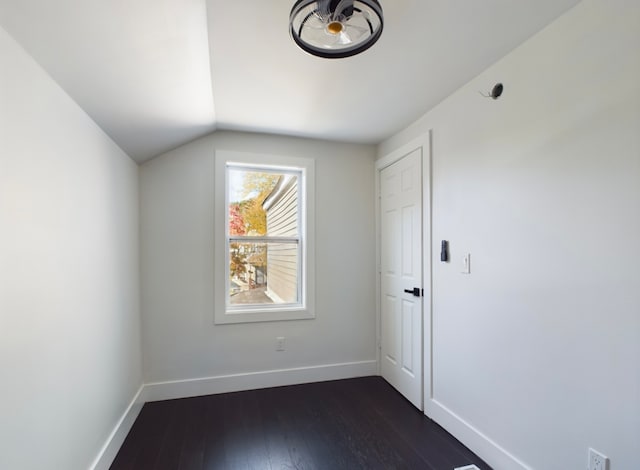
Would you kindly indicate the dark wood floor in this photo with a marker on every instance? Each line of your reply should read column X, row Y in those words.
column 346, row 424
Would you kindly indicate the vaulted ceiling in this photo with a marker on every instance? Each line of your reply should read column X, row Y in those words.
column 157, row 74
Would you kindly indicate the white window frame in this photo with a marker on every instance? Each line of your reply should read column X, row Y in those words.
column 305, row 308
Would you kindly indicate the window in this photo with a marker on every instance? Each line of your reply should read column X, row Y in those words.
column 264, row 238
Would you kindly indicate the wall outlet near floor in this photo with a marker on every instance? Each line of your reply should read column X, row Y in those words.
column 597, row 461
column 280, row 343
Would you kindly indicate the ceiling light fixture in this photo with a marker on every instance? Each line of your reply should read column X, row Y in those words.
column 335, row 28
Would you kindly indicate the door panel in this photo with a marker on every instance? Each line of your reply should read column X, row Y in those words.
column 389, row 326
column 408, row 257
column 401, row 269
column 407, row 337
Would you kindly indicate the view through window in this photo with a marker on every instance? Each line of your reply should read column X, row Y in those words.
column 263, row 237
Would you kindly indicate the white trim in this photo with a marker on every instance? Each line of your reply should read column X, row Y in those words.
column 423, row 143
column 471, row 437
column 481, row 445
column 306, row 168
column 391, row 158
column 254, row 380
column 221, row 384
column 110, row 449
column 378, row 261
column 427, row 272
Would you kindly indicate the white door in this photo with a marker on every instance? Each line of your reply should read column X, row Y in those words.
column 401, row 275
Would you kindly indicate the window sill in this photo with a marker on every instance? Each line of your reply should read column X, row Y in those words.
column 263, row 315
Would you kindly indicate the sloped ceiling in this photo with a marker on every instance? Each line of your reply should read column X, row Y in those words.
column 157, row 74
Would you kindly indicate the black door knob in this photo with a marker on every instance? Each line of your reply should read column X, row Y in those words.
column 415, row 291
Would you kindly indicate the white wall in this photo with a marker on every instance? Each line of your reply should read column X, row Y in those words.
column 70, row 356
column 177, row 231
column 539, row 348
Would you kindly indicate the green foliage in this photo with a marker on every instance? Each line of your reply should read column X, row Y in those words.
column 237, row 261
column 247, row 217
column 259, row 186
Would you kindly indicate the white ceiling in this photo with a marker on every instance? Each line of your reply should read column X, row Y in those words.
column 157, row 74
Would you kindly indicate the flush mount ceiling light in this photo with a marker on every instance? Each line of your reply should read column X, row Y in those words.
column 335, row 28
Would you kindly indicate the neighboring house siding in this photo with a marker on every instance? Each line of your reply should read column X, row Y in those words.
column 282, row 259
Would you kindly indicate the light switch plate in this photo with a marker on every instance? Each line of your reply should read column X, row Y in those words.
column 466, row 264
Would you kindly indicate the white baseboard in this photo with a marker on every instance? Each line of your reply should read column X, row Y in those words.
column 110, row 449
column 221, row 384
column 272, row 378
column 481, row 445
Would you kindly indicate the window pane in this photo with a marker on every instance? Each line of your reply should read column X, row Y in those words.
column 262, row 203
column 263, row 273
column 264, row 217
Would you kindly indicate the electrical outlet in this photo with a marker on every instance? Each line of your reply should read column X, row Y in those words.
column 597, row 461
column 280, row 343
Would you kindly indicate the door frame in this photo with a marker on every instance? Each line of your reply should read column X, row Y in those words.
column 424, row 143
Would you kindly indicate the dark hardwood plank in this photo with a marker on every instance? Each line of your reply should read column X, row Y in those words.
column 142, row 445
column 346, row 424
column 436, row 446
column 372, row 448
column 288, row 447
column 193, row 444
column 245, row 445
column 168, row 456
column 214, row 430
column 313, row 436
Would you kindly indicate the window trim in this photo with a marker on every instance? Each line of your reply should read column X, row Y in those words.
column 305, row 309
